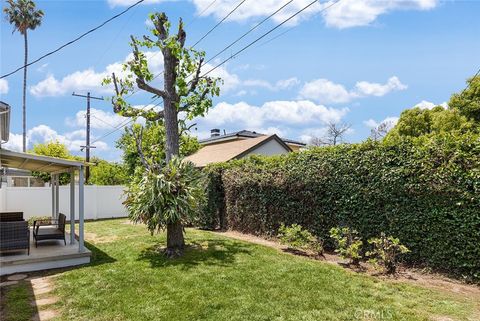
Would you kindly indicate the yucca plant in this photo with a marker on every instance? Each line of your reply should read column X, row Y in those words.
column 167, row 198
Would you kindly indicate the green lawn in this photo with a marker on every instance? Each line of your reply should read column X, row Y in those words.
column 224, row 279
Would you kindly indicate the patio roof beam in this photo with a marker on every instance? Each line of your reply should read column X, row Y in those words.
column 44, row 167
column 66, row 170
column 25, row 161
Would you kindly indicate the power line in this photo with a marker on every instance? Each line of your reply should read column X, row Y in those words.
column 241, row 50
column 124, row 124
column 73, row 41
column 103, row 121
column 220, row 22
column 202, row 12
column 284, row 32
column 87, row 146
column 198, row 41
column 269, row 32
column 248, row 32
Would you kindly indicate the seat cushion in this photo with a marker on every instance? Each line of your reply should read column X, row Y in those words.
column 48, row 230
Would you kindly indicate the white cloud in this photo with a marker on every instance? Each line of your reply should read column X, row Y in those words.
column 279, row 85
column 149, row 23
column 371, row 123
column 99, row 119
column 230, row 81
column 354, row 13
column 43, row 134
column 42, row 67
column 424, row 104
column 15, row 142
column 365, row 88
column 3, row 86
column 326, row 91
column 89, row 79
column 345, row 14
column 286, row 112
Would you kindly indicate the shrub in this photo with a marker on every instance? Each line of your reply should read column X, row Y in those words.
column 38, row 218
column 386, row 251
column 424, row 192
column 348, row 244
column 298, row 238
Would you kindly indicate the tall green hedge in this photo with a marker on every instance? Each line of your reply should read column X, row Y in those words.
column 425, row 192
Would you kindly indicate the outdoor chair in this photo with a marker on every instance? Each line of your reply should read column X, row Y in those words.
column 50, row 230
column 14, row 232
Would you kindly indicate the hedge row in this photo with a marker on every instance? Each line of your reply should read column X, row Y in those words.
column 425, row 193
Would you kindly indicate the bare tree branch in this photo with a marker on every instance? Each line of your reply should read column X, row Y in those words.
column 380, row 131
column 140, row 80
column 334, row 135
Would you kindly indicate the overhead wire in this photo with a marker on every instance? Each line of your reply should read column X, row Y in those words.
column 262, row 36
column 72, row 41
column 269, row 32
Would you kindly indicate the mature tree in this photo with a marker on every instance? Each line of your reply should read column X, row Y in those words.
column 107, row 173
column 153, row 145
column 24, row 16
column 334, row 135
column 52, row 149
column 416, row 122
column 184, row 90
column 468, row 100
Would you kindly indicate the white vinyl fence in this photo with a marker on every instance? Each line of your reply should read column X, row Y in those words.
column 100, row 201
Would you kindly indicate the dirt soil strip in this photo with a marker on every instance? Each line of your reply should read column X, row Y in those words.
column 413, row 276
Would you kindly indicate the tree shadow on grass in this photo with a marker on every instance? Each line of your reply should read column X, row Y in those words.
column 205, row 252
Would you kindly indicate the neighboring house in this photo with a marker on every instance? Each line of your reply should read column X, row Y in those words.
column 222, row 148
column 245, row 134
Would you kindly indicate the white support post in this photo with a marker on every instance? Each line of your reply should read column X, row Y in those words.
column 81, row 207
column 52, row 183
column 72, row 207
column 57, row 196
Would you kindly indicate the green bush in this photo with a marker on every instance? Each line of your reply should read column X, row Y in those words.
column 424, row 191
column 347, row 244
column 386, row 251
column 38, row 218
column 296, row 237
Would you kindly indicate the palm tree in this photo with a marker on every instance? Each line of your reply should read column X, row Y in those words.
column 22, row 14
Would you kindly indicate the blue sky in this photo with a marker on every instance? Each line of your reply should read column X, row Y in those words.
column 360, row 62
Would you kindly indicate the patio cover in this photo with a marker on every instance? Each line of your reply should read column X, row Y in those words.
column 54, row 166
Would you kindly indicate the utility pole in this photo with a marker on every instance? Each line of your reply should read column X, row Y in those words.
column 87, row 145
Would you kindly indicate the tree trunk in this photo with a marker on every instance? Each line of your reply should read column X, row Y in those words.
column 171, row 130
column 24, row 109
column 175, row 240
